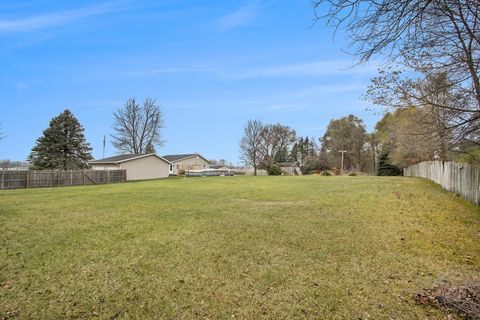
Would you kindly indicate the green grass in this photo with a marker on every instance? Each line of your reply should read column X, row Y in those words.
column 234, row 247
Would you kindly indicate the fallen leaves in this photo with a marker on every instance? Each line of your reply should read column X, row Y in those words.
column 464, row 300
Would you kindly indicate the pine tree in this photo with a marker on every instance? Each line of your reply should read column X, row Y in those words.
column 281, row 155
column 385, row 168
column 293, row 156
column 62, row 145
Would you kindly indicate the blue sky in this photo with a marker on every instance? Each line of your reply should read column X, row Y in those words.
column 211, row 65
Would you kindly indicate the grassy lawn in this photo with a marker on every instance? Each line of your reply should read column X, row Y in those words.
column 234, row 247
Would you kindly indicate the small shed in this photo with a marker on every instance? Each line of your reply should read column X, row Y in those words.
column 290, row 168
column 138, row 166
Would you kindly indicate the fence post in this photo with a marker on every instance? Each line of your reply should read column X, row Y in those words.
column 3, row 179
column 26, row 178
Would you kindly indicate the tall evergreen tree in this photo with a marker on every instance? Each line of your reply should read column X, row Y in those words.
column 281, row 155
column 62, row 145
column 293, row 157
column 386, row 168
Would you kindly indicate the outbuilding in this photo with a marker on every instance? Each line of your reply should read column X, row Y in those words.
column 138, row 166
column 289, row 168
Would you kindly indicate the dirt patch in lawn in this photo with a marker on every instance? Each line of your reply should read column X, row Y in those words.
column 464, row 300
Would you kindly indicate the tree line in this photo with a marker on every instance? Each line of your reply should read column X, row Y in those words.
column 396, row 142
column 265, row 145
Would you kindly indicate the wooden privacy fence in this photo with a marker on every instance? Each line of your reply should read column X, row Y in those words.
column 58, row 178
column 461, row 178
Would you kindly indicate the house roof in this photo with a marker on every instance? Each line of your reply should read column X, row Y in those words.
column 125, row 157
column 178, row 157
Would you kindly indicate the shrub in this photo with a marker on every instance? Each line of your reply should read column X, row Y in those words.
column 325, row 173
column 352, row 174
column 337, row 172
column 181, row 172
column 274, row 170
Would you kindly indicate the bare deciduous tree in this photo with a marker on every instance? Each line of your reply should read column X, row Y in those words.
column 414, row 134
column 275, row 139
column 138, row 127
column 371, row 153
column 430, row 37
column 250, row 143
column 442, row 105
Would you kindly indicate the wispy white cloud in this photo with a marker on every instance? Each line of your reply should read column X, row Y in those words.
column 317, row 68
column 166, row 70
column 291, row 101
column 239, row 17
column 325, row 90
column 232, row 71
column 53, row 19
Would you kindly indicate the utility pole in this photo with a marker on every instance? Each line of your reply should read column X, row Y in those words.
column 104, row 137
column 343, row 153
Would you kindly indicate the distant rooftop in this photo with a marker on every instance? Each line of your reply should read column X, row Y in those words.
column 176, row 157
column 120, row 158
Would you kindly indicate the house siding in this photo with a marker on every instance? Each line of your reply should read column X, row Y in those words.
column 149, row 167
column 105, row 167
column 193, row 163
column 146, row 168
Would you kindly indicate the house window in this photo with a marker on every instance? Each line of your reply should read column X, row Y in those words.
column 171, row 168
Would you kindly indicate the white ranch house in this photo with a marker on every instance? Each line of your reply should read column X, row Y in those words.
column 138, row 166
